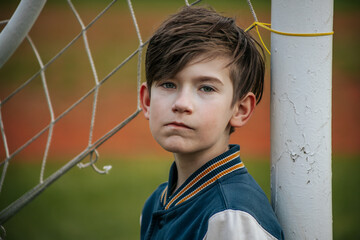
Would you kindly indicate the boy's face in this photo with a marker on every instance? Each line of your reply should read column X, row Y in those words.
column 191, row 112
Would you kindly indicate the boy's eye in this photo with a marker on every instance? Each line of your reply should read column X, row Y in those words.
column 207, row 89
column 168, row 85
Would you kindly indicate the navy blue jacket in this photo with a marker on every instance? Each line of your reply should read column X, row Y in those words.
column 220, row 200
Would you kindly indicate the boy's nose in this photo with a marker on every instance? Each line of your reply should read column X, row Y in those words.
column 183, row 103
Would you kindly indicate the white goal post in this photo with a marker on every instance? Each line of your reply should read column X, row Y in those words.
column 18, row 27
column 301, row 73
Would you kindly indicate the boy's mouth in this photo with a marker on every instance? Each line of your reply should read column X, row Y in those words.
column 178, row 125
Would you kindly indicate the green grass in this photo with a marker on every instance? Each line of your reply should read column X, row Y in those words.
column 83, row 204
column 86, row 205
column 346, row 198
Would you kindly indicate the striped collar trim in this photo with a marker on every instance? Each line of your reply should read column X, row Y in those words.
column 204, row 177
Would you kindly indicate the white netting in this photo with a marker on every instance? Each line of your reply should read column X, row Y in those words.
column 91, row 149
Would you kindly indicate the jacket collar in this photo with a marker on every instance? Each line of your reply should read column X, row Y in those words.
column 201, row 179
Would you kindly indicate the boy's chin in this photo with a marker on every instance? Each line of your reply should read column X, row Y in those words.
column 177, row 147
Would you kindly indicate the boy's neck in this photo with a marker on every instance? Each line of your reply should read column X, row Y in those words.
column 187, row 164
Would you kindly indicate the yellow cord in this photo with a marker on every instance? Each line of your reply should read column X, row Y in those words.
column 265, row 25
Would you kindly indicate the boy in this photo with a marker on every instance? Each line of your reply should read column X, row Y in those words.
column 204, row 78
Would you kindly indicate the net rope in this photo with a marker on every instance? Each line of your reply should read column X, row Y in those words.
column 91, row 149
column 41, row 72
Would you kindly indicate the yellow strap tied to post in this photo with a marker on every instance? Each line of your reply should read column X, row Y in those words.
column 267, row 27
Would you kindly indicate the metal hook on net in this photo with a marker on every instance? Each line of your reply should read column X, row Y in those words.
column 93, row 160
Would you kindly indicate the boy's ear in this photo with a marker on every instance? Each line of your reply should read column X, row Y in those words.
column 243, row 110
column 145, row 100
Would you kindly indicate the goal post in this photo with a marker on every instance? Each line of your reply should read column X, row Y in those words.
column 18, row 27
column 301, row 86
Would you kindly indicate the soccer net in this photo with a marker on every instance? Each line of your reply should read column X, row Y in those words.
column 15, row 31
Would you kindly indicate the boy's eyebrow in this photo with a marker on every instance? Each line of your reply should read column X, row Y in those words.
column 208, row 79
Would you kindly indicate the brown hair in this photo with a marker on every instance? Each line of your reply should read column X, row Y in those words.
column 195, row 31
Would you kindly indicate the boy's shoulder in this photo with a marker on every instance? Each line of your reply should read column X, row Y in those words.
column 241, row 201
column 240, row 190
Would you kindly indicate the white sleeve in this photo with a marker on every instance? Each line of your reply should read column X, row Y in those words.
column 235, row 224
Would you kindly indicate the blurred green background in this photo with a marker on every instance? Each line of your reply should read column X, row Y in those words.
column 86, row 205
